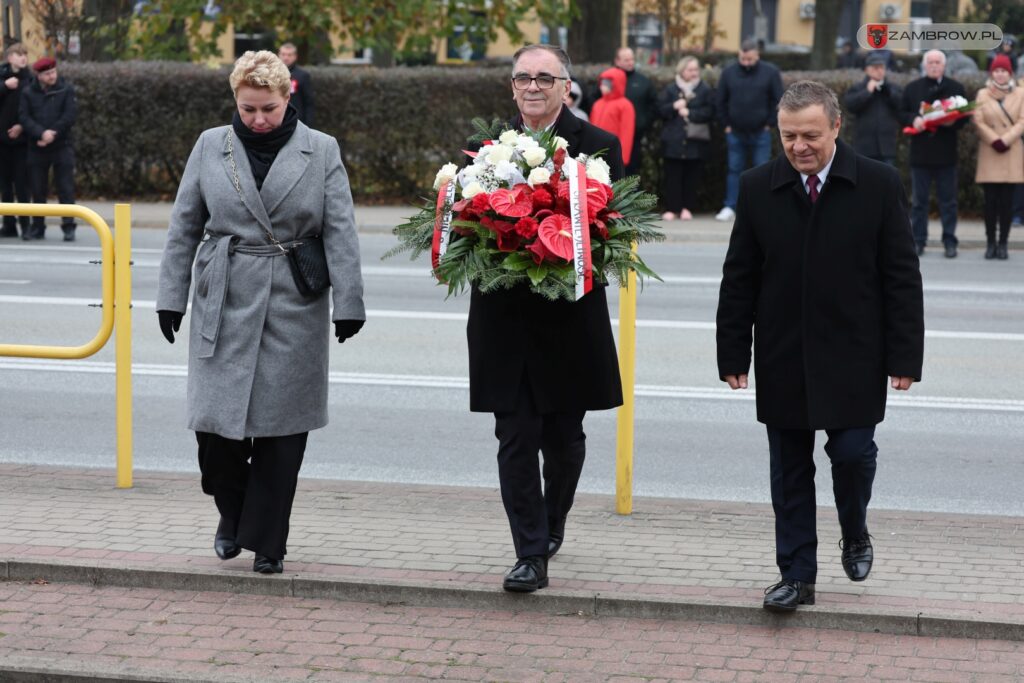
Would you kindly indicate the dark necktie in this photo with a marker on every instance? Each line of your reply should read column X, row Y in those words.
column 812, row 187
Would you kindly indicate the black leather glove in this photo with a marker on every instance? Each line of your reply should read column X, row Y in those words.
column 343, row 329
column 170, row 321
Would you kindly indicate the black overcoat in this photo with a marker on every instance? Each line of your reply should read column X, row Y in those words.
column 829, row 293
column 565, row 349
column 674, row 142
column 878, row 117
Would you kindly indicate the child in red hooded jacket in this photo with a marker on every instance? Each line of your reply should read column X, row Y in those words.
column 613, row 112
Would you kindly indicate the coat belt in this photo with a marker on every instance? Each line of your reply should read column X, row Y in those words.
column 216, row 288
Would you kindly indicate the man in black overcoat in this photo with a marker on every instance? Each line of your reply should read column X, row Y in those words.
column 878, row 105
column 539, row 365
column 933, row 156
column 302, row 84
column 821, row 265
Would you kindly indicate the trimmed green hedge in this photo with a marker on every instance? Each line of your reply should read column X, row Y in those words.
column 138, row 120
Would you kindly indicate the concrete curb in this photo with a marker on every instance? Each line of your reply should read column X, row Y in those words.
column 549, row 601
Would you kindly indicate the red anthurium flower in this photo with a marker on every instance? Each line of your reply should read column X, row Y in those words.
column 599, row 229
column 460, row 205
column 556, row 234
column 597, row 194
column 539, row 252
column 515, row 202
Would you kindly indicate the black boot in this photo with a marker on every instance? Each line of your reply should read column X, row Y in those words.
column 990, row 249
column 224, row 541
column 267, row 565
column 1001, row 252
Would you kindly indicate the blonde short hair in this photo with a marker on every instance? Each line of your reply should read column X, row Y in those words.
column 684, row 62
column 261, row 69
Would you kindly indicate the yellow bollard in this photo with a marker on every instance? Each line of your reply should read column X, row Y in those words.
column 123, row 341
column 627, row 372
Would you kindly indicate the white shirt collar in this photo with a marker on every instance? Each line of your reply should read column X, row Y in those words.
column 822, row 174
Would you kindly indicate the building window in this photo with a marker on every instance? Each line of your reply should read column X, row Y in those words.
column 11, row 21
column 643, row 33
column 759, row 18
column 254, row 38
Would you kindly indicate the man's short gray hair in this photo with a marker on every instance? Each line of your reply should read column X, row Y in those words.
column 803, row 94
column 748, row 45
column 557, row 51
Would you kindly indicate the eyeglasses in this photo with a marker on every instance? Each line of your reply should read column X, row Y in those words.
column 544, row 81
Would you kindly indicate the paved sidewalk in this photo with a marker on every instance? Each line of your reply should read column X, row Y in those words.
column 704, row 228
column 404, row 581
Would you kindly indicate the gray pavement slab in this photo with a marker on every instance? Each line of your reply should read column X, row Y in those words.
column 935, row 574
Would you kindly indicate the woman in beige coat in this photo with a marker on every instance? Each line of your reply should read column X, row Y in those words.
column 999, row 119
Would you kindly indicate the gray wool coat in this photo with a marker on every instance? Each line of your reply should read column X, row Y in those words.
column 258, row 348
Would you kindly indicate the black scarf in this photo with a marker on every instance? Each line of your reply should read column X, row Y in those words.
column 262, row 148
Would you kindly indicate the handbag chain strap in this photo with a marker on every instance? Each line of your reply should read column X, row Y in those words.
column 238, row 186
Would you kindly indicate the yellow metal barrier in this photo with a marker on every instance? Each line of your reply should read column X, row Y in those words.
column 116, row 299
column 627, row 372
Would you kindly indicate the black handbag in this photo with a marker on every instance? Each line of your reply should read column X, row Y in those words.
column 309, row 266
column 306, row 256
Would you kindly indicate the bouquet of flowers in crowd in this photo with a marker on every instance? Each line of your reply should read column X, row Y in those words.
column 526, row 213
column 942, row 111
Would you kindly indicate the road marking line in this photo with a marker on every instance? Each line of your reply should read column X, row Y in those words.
column 453, row 382
column 462, row 317
column 14, row 282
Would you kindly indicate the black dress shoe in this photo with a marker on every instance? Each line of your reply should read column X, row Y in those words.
column 919, row 249
column 556, row 534
column 8, row 232
column 1001, row 252
column 224, row 541
column 787, row 594
column 858, row 555
column 69, row 235
column 267, row 565
column 950, row 251
column 529, row 574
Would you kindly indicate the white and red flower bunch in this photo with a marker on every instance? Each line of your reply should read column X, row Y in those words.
column 940, row 112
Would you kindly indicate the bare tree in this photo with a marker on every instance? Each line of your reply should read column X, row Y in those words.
column 826, row 28
column 594, row 33
column 59, row 19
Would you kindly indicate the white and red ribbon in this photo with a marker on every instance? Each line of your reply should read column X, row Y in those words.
column 442, row 223
column 576, row 173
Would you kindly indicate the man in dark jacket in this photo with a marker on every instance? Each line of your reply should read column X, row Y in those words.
column 538, row 396
column 644, row 97
column 302, row 86
column 933, row 155
column 877, row 105
column 748, row 94
column 14, row 76
column 821, row 272
column 48, row 111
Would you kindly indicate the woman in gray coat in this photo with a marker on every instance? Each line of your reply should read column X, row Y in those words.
column 258, row 346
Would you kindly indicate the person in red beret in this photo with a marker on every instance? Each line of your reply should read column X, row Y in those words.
column 47, row 113
column 999, row 121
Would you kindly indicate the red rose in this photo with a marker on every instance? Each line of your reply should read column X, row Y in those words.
column 481, row 202
column 542, row 199
column 526, row 227
column 508, row 241
column 468, row 215
column 558, row 158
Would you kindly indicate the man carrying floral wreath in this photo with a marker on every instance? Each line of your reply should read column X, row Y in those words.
column 539, row 364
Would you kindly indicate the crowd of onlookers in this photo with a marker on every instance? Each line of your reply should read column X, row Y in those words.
column 744, row 105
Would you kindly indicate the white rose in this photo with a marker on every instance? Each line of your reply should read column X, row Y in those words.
column 509, row 137
column 496, row 153
column 561, row 143
column 535, row 156
column 526, row 142
column 471, row 190
column 446, row 173
column 539, row 176
column 598, row 170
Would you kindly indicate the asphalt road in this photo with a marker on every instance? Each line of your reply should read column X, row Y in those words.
column 399, row 402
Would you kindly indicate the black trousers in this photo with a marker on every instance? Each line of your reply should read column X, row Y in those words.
column 998, row 210
column 253, row 481
column 680, row 180
column 636, row 159
column 853, row 454
column 14, row 184
column 62, row 160
column 522, row 434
